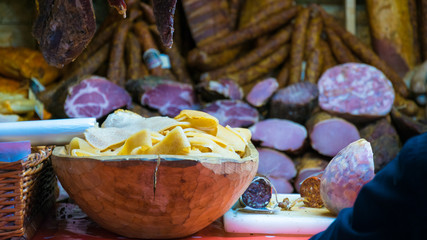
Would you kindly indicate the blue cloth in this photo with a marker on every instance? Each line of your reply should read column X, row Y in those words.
column 14, row 151
column 391, row 206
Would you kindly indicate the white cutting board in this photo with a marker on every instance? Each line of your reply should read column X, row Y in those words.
column 300, row 220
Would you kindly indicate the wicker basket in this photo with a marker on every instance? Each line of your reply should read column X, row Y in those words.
column 27, row 193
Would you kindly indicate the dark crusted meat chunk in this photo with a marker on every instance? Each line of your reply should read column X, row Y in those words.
column 164, row 11
column 63, row 29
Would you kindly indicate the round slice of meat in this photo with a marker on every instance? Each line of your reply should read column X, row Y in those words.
column 310, row 191
column 262, row 91
column 222, row 89
column 280, row 134
column 234, row 113
column 258, row 194
column 275, row 164
column 329, row 136
column 95, row 97
column 281, row 185
column 384, row 140
column 170, row 98
column 355, row 91
column 295, row 102
column 167, row 96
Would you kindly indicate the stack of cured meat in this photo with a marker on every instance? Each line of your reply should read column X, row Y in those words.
column 303, row 84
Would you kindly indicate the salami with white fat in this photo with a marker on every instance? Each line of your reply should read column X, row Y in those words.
column 355, row 91
column 258, row 193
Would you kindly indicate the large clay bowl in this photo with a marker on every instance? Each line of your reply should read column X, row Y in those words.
column 151, row 196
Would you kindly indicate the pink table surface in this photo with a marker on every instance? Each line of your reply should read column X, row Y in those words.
column 83, row 228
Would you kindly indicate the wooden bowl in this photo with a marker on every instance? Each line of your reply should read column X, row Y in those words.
column 154, row 196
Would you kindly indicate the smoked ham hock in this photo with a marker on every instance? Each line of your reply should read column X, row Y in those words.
column 63, row 29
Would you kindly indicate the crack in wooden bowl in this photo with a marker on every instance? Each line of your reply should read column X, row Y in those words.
column 154, row 196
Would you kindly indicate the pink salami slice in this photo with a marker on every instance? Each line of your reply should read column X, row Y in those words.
column 329, row 136
column 280, row 134
column 281, row 185
column 355, row 91
column 234, row 113
column 275, row 164
column 95, row 97
column 262, row 91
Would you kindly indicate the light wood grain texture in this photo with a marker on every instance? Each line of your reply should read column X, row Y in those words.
column 350, row 16
column 118, row 192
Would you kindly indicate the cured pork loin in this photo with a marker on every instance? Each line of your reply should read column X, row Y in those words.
column 166, row 96
column 280, row 134
column 328, row 135
column 92, row 96
column 164, row 11
column 278, row 167
column 64, row 28
column 234, row 113
column 262, row 91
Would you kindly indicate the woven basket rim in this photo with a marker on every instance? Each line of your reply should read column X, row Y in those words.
column 38, row 154
column 29, row 185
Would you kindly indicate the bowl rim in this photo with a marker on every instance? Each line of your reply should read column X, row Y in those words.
column 251, row 154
